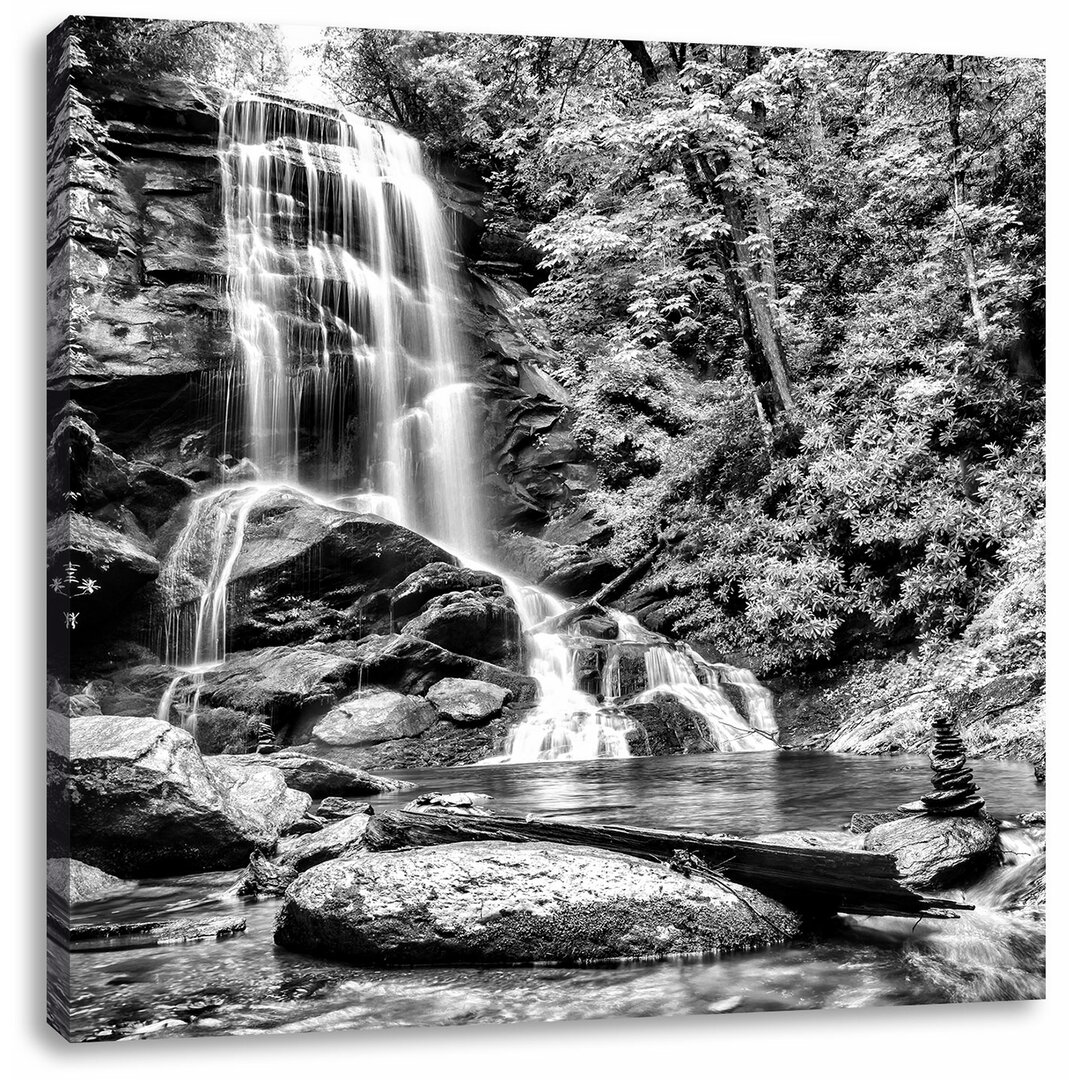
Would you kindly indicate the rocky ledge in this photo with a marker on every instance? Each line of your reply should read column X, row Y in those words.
column 140, row 799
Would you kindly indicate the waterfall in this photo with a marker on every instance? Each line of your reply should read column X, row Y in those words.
column 341, row 307
column 346, row 383
column 346, row 386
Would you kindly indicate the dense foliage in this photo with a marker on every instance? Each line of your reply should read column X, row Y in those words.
column 249, row 56
column 897, row 230
column 798, row 297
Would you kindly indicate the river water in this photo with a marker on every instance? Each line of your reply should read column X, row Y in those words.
column 246, row 984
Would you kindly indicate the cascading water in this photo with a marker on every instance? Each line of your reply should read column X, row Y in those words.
column 346, row 381
column 347, row 386
column 568, row 723
column 341, row 304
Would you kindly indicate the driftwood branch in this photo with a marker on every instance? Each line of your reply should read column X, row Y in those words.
column 819, row 880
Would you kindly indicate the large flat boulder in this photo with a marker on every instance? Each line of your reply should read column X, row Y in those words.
column 936, row 851
column 468, row 701
column 142, row 801
column 503, row 903
column 315, row 775
column 374, row 716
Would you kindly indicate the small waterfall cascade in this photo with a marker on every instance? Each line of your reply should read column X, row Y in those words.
column 570, row 723
column 566, row 724
column 199, row 567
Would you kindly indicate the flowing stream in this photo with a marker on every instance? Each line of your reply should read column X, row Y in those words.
column 245, row 984
column 348, row 388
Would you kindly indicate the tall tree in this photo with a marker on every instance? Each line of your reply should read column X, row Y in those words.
column 743, row 249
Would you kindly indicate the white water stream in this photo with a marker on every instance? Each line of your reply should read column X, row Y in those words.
column 347, row 388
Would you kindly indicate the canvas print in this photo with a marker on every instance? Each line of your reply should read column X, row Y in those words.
column 539, row 528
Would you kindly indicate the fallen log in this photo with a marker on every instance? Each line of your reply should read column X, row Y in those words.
column 814, row 880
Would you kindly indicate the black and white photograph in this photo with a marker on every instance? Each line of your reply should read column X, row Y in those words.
column 539, row 528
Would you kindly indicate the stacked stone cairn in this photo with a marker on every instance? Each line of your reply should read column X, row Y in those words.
column 954, row 785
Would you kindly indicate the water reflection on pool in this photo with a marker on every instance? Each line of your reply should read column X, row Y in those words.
column 246, row 984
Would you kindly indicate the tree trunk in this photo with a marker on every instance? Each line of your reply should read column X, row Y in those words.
column 953, row 92
column 748, row 270
column 815, row 879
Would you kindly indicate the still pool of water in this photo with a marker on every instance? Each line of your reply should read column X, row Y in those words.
column 246, row 984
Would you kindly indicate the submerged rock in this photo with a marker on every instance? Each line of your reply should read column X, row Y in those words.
column 142, row 801
column 145, row 935
column 503, row 903
column 468, row 701
column 934, row 851
column 318, row 776
column 374, row 716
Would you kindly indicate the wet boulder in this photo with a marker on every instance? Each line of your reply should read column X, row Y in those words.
column 135, row 690
column 443, row 745
column 569, row 570
column 664, row 727
column 337, row 840
column 227, row 731
column 503, row 903
column 282, row 684
column 263, row 877
column 78, row 883
column 412, row 665
column 334, row 808
column 433, row 580
column 374, row 716
column 142, row 802
column 317, row 776
column 260, row 792
column 479, row 623
column 306, row 571
column 597, row 626
column 468, row 701
column 934, row 851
